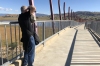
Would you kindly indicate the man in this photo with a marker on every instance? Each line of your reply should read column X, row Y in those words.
column 25, row 19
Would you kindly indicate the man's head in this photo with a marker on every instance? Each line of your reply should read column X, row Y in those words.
column 23, row 9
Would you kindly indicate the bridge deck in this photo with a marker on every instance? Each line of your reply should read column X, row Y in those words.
column 84, row 51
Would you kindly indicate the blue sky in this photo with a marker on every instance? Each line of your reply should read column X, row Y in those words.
column 42, row 6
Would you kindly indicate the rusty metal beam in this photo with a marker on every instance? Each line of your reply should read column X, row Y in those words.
column 31, row 2
column 51, row 10
column 69, row 13
column 73, row 15
column 60, row 17
column 64, row 10
column 52, row 15
column 59, row 10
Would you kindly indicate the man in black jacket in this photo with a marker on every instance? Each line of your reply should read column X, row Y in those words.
column 25, row 20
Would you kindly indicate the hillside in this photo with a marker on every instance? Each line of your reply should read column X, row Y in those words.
column 82, row 14
column 88, row 15
column 37, row 14
column 13, row 17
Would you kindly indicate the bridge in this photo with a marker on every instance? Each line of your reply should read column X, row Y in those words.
column 70, row 41
column 72, row 44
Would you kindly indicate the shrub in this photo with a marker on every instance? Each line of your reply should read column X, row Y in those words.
column 13, row 45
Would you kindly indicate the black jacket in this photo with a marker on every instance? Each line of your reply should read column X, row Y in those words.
column 25, row 24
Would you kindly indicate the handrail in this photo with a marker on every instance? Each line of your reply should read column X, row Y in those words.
column 94, row 27
column 15, row 22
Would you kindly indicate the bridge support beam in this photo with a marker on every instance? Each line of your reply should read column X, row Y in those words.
column 71, row 14
column 60, row 17
column 31, row 2
column 68, row 13
column 52, row 15
column 64, row 10
column 59, row 10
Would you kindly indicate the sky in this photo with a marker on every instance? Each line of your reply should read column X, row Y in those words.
column 42, row 6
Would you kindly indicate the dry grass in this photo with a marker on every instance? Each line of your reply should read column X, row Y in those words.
column 8, row 18
column 48, row 33
column 8, row 33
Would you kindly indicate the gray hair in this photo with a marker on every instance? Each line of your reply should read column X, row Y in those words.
column 23, row 8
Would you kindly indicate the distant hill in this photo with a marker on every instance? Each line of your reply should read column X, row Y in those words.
column 37, row 14
column 88, row 15
column 14, row 17
column 2, row 14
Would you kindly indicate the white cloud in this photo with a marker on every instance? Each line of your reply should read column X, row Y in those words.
column 1, row 8
column 6, row 9
column 10, row 9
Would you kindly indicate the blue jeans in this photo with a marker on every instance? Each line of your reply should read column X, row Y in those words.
column 29, row 54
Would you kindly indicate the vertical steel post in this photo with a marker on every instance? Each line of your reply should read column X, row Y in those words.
column 59, row 14
column 15, row 39
column 31, row 2
column 51, row 10
column 52, row 15
column 11, row 38
column 6, row 43
column 69, row 13
column 73, row 15
column 59, row 9
column 1, row 49
column 64, row 11
column 69, row 16
column 43, row 32
column 19, row 42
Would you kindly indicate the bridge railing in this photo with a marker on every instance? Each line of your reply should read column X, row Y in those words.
column 94, row 26
column 10, row 34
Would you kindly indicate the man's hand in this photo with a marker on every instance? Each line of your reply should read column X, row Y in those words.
column 32, row 9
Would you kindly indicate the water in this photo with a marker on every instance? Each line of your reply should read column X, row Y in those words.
column 39, row 24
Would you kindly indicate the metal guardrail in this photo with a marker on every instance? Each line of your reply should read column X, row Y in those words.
column 10, row 35
column 94, row 26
